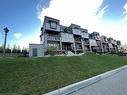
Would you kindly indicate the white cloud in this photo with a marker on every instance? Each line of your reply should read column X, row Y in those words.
column 17, row 35
column 101, row 12
column 115, row 30
column 25, row 41
column 83, row 13
column 125, row 13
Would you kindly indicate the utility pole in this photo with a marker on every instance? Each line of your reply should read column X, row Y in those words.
column 6, row 31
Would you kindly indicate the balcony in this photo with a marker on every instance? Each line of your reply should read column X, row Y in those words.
column 53, row 38
column 85, row 35
column 112, row 41
column 54, row 28
column 78, row 47
column 86, row 42
column 77, row 32
column 118, row 43
column 98, row 43
column 66, row 37
column 77, row 40
column 93, row 42
column 97, row 37
column 110, row 45
column 104, row 40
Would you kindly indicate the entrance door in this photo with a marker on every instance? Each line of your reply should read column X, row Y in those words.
column 34, row 51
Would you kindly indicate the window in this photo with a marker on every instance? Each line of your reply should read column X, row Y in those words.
column 54, row 45
column 53, row 25
column 34, row 51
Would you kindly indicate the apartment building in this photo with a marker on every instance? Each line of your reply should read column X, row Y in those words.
column 71, row 39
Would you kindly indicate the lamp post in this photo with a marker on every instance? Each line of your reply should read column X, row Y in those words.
column 6, row 31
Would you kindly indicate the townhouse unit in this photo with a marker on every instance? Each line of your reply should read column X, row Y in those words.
column 97, row 47
column 105, row 45
column 70, row 39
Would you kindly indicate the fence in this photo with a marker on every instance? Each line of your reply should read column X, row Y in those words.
column 11, row 54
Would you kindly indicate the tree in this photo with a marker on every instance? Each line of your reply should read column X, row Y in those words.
column 18, row 49
column 51, row 50
column 24, row 52
column 14, row 50
column 1, row 49
column 8, row 50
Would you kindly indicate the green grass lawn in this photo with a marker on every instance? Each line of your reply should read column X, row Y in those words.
column 34, row 76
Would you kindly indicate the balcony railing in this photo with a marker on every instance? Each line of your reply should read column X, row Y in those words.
column 66, row 37
column 86, row 42
column 77, row 32
column 53, row 38
column 93, row 42
column 85, row 35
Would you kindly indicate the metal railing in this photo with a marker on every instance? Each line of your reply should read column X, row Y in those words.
column 54, row 38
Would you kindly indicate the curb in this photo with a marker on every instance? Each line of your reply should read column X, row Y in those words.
column 85, row 83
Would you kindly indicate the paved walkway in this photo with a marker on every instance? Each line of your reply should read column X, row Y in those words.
column 113, row 85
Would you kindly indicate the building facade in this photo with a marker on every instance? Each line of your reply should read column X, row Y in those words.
column 72, row 39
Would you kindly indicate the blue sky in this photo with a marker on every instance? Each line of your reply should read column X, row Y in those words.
column 24, row 18
column 20, row 16
column 114, row 11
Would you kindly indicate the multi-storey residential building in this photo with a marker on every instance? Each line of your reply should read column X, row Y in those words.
column 72, row 39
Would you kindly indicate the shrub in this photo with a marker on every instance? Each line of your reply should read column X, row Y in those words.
column 51, row 50
column 1, row 49
column 24, row 53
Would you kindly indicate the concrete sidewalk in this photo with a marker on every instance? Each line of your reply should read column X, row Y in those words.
column 113, row 85
column 110, row 83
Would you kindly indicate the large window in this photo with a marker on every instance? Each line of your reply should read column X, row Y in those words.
column 53, row 25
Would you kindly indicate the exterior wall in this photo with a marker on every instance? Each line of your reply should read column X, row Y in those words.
column 39, row 47
column 42, row 39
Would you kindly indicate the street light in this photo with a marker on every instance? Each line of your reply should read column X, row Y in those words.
column 6, row 30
